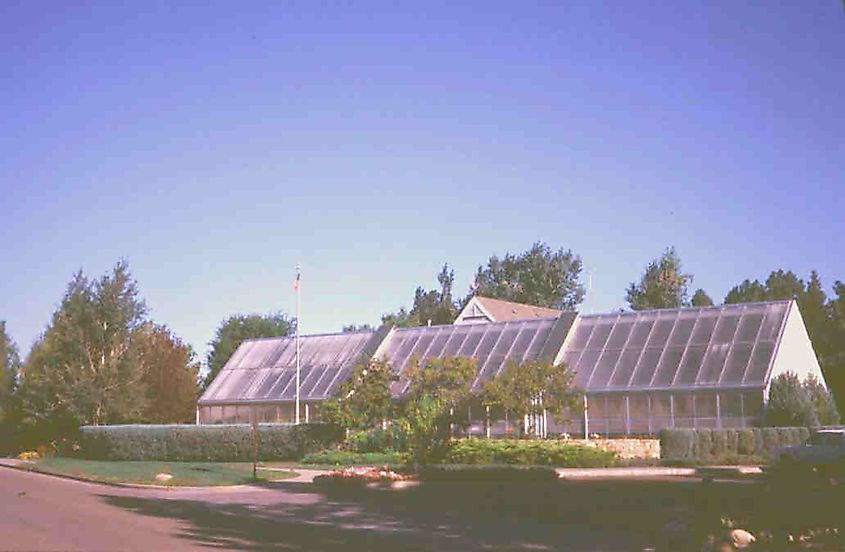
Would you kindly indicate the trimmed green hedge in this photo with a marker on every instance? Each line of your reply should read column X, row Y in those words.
column 348, row 458
column 205, row 443
column 727, row 445
column 529, row 452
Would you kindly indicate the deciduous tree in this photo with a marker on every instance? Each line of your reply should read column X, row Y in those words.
column 362, row 401
column 789, row 403
column 9, row 364
column 530, row 388
column 701, row 299
column 170, row 376
column 539, row 276
column 85, row 368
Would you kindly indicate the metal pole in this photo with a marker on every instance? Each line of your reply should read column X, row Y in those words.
column 586, row 420
column 298, row 305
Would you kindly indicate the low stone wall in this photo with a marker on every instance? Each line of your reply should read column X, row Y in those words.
column 625, row 448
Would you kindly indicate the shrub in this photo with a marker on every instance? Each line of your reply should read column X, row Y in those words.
column 726, row 446
column 746, row 441
column 533, row 452
column 677, row 444
column 347, row 458
column 394, row 438
column 204, row 443
column 790, row 403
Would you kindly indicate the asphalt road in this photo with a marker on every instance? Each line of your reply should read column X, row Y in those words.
column 41, row 512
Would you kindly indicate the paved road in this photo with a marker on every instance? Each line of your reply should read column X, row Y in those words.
column 46, row 513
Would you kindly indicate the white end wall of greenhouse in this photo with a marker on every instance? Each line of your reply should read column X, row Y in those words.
column 795, row 352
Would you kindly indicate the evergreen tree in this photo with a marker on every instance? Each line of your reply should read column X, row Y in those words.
column 826, row 411
column 9, row 364
column 790, row 404
column 434, row 306
column 701, row 299
column 746, row 292
column 662, row 286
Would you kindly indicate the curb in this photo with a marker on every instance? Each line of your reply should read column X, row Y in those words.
column 30, row 469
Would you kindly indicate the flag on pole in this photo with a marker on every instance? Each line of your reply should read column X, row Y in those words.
column 296, row 281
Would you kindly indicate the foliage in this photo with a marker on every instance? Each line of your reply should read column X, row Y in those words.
column 170, row 376
column 436, row 388
column 239, row 327
column 822, row 400
column 789, row 403
column 357, row 328
column 701, row 299
column 9, row 365
column 204, row 443
column 85, row 368
column 529, row 452
column 727, row 446
column 349, row 458
column 662, row 286
column 363, row 400
column 538, row 276
column 823, row 317
column 393, row 439
column 529, row 388
column 434, row 306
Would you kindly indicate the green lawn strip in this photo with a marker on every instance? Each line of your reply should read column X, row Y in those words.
column 199, row 474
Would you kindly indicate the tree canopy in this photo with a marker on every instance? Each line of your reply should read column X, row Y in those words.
column 529, row 388
column 790, row 404
column 539, row 276
column 662, row 286
column 434, row 306
column 170, row 376
column 363, row 400
column 701, row 299
column 9, row 365
column 239, row 327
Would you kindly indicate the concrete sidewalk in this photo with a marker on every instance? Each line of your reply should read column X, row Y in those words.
column 657, row 471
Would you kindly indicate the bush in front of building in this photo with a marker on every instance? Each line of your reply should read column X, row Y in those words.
column 205, row 443
column 349, row 458
column 529, row 452
column 727, row 446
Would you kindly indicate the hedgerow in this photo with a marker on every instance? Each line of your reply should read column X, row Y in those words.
column 528, row 452
column 726, row 446
column 205, row 443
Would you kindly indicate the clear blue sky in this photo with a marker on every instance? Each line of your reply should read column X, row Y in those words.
column 216, row 147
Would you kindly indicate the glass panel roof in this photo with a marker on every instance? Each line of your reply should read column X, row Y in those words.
column 730, row 345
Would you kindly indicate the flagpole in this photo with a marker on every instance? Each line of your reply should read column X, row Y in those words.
column 298, row 304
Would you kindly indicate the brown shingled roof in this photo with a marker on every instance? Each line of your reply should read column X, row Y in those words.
column 506, row 310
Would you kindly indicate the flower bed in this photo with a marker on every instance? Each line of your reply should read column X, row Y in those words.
column 360, row 476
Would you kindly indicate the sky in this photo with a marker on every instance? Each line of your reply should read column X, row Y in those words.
column 216, row 145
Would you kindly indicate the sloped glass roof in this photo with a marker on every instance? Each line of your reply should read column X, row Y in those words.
column 493, row 345
column 727, row 346
column 265, row 369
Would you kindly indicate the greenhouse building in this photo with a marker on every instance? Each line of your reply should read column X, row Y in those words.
column 641, row 371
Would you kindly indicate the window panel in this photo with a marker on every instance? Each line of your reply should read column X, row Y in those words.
column 760, row 360
column 705, row 404
column 772, row 322
column 690, row 366
column 660, row 333
column 681, row 332
column 703, row 330
column 586, row 365
column 668, row 366
column 625, row 367
column 640, row 332
column 646, row 367
column 713, row 363
column 737, row 363
column 619, row 335
column 599, row 336
column 725, row 329
column 604, row 368
column 748, row 327
column 729, row 404
column 581, row 335
column 683, row 404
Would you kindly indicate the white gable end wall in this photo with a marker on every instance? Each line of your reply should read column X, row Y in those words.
column 795, row 352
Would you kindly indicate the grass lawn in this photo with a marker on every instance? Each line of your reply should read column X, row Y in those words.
column 200, row 474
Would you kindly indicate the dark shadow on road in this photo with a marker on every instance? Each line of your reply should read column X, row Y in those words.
column 449, row 516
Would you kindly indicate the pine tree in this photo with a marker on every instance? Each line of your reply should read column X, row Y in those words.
column 662, row 286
